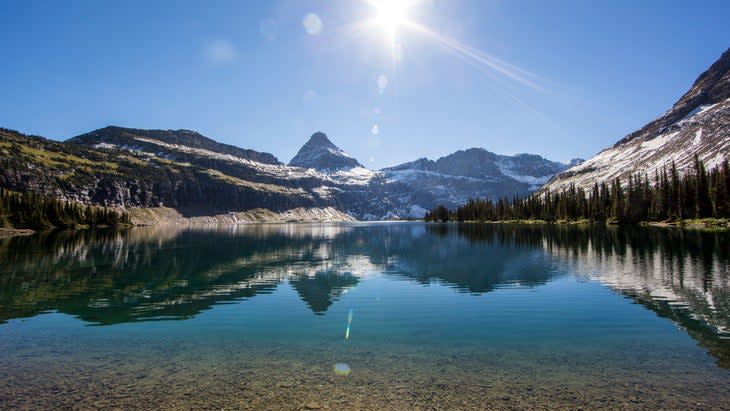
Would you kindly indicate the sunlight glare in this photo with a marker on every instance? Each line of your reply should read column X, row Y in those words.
column 391, row 13
column 392, row 16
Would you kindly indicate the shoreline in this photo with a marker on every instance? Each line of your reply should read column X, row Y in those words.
column 261, row 216
column 699, row 224
column 165, row 215
column 14, row 232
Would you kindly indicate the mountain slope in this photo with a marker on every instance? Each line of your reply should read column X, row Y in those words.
column 699, row 123
column 320, row 153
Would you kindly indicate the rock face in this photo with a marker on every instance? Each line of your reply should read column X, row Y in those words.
column 195, row 176
column 321, row 154
column 699, row 123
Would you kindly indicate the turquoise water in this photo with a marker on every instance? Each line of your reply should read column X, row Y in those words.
column 414, row 316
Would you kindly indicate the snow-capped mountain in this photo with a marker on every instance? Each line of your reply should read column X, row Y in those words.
column 474, row 173
column 409, row 189
column 320, row 153
column 699, row 123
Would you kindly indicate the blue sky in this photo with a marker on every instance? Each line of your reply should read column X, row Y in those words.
column 571, row 77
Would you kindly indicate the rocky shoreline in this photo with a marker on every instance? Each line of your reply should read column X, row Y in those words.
column 165, row 215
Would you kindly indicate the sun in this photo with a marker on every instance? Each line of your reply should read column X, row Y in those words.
column 391, row 14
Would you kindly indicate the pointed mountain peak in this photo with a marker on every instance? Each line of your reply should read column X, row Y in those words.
column 322, row 154
column 319, row 139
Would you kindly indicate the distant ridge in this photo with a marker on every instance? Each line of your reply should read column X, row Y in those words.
column 132, row 137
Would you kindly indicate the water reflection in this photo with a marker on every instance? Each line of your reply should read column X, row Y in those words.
column 321, row 290
column 108, row 277
column 681, row 275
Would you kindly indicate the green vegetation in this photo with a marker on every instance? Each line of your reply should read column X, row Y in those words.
column 30, row 210
column 698, row 194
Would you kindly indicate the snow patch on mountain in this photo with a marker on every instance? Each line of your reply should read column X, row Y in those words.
column 699, row 110
column 506, row 167
column 409, row 176
column 352, row 176
column 698, row 137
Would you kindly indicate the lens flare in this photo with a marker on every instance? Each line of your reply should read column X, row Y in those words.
column 312, row 24
column 382, row 83
column 347, row 330
column 342, row 368
column 508, row 70
column 349, row 321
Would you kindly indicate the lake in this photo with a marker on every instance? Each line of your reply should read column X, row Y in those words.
column 366, row 316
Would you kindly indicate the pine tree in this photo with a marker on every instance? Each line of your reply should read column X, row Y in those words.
column 703, row 203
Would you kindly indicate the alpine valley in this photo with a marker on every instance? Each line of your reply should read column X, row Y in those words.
column 179, row 175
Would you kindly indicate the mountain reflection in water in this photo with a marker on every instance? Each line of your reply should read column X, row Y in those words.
column 114, row 276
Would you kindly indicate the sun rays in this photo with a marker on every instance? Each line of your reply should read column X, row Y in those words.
column 392, row 17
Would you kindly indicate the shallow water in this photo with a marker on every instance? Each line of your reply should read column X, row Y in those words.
column 438, row 317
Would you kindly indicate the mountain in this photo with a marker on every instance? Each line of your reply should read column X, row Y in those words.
column 320, row 153
column 699, row 123
column 127, row 168
column 181, row 175
column 474, row 173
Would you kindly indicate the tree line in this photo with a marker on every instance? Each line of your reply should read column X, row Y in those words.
column 665, row 196
column 31, row 210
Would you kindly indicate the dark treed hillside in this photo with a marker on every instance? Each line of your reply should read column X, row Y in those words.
column 30, row 210
column 665, row 196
